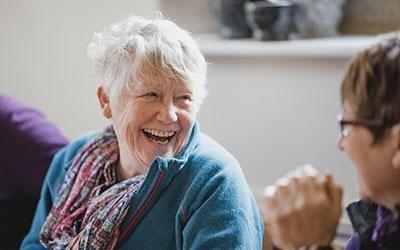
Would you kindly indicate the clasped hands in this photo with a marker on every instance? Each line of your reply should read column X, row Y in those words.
column 302, row 209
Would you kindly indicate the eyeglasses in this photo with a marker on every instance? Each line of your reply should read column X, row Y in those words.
column 365, row 123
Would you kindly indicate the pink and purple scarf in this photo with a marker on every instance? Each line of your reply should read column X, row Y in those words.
column 91, row 203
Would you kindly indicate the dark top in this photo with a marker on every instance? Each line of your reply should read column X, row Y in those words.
column 27, row 145
column 375, row 227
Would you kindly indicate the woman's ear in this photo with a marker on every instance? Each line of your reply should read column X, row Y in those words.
column 395, row 133
column 104, row 102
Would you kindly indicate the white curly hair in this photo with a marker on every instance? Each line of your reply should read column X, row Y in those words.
column 128, row 50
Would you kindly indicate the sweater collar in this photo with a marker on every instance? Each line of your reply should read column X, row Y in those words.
column 172, row 165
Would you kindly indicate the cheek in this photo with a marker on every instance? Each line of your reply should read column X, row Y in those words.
column 187, row 119
column 186, row 122
column 354, row 152
column 130, row 135
column 127, row 124
column 366, row 173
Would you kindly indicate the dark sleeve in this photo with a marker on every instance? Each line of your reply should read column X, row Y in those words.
column 29, row 142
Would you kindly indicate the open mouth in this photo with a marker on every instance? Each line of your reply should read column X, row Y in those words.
column 158, row 136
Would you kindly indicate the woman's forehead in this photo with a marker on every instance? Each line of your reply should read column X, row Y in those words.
column 161, row 83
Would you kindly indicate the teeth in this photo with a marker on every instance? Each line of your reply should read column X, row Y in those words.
column 159, row 133
column 159, row 142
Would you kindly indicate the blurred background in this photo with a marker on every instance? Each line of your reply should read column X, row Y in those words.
column 273, row 104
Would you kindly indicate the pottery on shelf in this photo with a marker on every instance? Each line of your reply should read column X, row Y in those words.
column 317, row 18
column 231, row 18
column 270, row 20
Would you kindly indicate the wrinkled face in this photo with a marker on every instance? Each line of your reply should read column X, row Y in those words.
column 372, row 161
column 154, row 118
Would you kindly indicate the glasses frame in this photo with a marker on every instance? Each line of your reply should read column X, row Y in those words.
column 364, row 123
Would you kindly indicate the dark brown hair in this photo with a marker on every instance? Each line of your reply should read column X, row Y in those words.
column 371, row 84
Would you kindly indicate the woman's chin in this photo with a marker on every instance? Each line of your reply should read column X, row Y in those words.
column 158, row 150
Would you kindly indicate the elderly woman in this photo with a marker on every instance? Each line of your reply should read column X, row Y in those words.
column 303, row 209
column 152, row 180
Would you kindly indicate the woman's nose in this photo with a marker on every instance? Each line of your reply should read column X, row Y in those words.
column 167, row 113
column 340, row 142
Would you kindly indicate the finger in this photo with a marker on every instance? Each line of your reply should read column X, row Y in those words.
column 335, row 192
column 295, row 184
column 336, row 195
column 328, row 177
column 269, row 191
column 308, row 177
column 310, row 170
column 311, row 185
column 283, row 202
column 300, row 171
column 268, row 207
column 293, row 173
column 297, row 192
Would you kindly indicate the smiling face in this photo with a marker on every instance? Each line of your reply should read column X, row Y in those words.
column 154, row 118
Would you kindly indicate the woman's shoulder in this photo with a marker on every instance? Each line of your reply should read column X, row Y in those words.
column 208, row 151
column 213, row 174
column 209, row 160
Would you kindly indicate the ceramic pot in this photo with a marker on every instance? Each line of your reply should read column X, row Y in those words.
column 317, row 18
column 231, row 18
column 270, row 20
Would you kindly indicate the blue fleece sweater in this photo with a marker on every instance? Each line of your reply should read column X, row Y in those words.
column 198, row 200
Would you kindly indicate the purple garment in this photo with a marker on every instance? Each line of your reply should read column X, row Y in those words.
column 376, row 227
column 386, row 226
column 353, row 243
column 27, row 145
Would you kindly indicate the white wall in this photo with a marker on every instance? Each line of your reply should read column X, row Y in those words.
column 43, row 58
column 193, row 15
column 276, row 113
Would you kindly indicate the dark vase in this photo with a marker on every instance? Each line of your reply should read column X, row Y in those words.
column 270, row 20
column 231, row 18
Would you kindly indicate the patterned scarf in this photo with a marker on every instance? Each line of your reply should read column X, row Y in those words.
column 90, row 204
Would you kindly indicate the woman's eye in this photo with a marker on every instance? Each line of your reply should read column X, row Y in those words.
column 152, row 94
column 186, row 97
